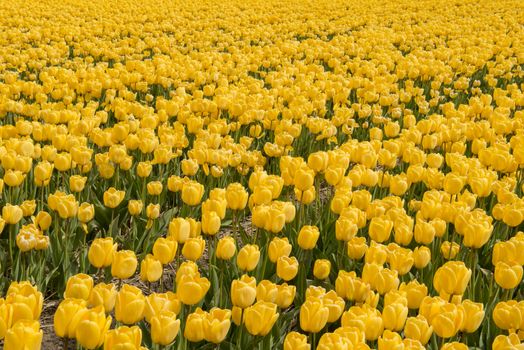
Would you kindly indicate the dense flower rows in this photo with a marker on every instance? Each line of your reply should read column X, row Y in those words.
column 238, row 174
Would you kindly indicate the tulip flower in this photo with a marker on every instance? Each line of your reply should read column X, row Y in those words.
column 130, row 304
column 260, row 318
column 92, row 327
column 164, row 327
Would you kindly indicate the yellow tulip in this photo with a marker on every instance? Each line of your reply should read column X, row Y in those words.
column 150, row 269
column 260, row 318
column 101, row 251
column 313, row 315
column 105, row 295
column 113, row 197
column 123, row 338
column 193, row 248
column 164, row 249
column 25, row 334
column 157, row 302
column 92, row 327
column 79, row 286
column 321, row 269
column 226, row 248
column 248, row 257
column 287, row 268
column 308, row 236
column 508, row 276
column 296, row 341
column 130, row 304
column 124, row 264
column 164, row 327
column 67, row 316
column 243, row 291
column 191, row 289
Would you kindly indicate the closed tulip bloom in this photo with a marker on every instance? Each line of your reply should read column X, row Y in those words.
column 318, row 161
column 194, row 330
column 424, row 232
column 380, row 229
column 415, row 292
column 67, row 316
column 86, row 212
column 236, row 196
column 267, row 291
column 389, row 340
column 449, row 250
column 210, row 223
column 193, row 248
column 304, row 178
column 401, row 260
column 279, row 247
column 43, row 220
column 296, row 341
column 42, row 174
column 448, row 321
column 143, row 169
column 349, row 287
column 153, row 211
column 508, row 276
column 157, row 302
column 150, row 269
column 507, row 315
column 243, row 291
column 105, row 295
column 130, row 304
column 418, row 328
column 123, row 338
column 321, row 269
column 454, row 346
column 308, row 236
column 192, row 193
column 135, row 207
column 451, row 278
column 504, row 342
column 164, row 327
column 307, row 196
column 25, row 334
column 248, row 257
column 191, row 289
column 154, row 188
column 313, row 315
column 124, row 264
column 453, row 183
column 113, row 197
column 421, row 256
column 12, row 214
column 26, row 301
column 164, row 250
column 357, row 248
column 394, row 316
column 345, row 229
column 179, row 230
column 226, row 248
column 187, row 268
column 189, row 167
column 333, row 341
column 287, row 268
column 473, row 316
column 101, row 251
column 13, row 178
column 286, row 295
column 335, row 305
column 92, row 327
column 28, row 207
column 79, row 287
column 77, row 183
column 260, row 318
column 217, row 325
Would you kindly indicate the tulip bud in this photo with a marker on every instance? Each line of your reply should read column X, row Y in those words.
column 164, row 328
column 243, row 291
column 321, row 269
column 287, row 268
column 278, row 247
column 150, row 269
column 67, row 316
column 105, row 295
column 164, row 249
column 79, row 287
column 25, row 334
column 92, row 327
column 191, row 289
column 421, row 256
column 296, row 341
column 101, row 252
column 307, row 237
column 418, row 328
column 226, row 248
column 357, row 248
column 260, row 318
column 123, row 338
column 130, row 304
column 210, row 223
column 113, row 198
column 313, row 315
column 248, row 257
column 508, row 276
column 193, row 248
column 124, row 264
column 135, row 207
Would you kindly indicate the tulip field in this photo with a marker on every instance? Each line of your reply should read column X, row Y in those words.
column 243, row 174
